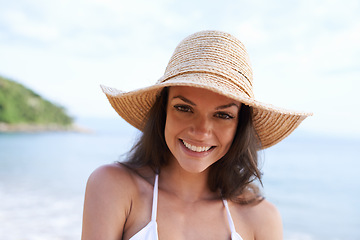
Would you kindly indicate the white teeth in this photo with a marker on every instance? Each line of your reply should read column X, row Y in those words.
column 195, row 148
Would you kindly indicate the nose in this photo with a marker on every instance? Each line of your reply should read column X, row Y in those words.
column 201, row 127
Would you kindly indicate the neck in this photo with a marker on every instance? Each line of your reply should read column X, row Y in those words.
column 187, row 186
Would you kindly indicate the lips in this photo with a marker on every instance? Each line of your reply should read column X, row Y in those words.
column 194, row 148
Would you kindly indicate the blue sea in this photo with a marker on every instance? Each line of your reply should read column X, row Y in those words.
column 313, row 179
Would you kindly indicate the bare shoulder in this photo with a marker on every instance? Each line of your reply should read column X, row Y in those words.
column 107, row 203
column 258, row 221
column 111, row 175
column 266, row 221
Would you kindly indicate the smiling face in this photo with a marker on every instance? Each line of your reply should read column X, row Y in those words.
column 200, row 126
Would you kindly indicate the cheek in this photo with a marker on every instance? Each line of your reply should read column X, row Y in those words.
column 227, row 135
column 170, row 129
column 167, row 130
column 174, row 123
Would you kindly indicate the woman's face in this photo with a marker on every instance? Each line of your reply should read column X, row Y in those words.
column 200, row 126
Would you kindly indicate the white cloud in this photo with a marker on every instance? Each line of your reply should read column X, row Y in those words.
column 23, row 26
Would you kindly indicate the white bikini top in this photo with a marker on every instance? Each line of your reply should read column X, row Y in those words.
column 149, row 232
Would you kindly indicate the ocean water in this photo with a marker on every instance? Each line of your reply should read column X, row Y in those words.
column 312, row 179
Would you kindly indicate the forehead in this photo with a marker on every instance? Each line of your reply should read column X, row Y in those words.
column 198, row 94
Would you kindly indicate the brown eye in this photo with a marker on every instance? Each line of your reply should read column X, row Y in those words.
column 183, row 108
column 224, row 115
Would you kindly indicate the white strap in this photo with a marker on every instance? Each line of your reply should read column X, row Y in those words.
column 155, row 198
column 231, row 223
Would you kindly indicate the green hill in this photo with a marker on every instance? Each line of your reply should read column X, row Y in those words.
column 20, row 105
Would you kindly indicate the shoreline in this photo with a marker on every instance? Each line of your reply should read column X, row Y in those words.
column 36, row 128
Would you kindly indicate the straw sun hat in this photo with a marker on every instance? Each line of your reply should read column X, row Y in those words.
column 216, row 61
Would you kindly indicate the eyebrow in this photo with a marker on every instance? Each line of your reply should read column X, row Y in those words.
column 185, row 100
column 217, row 108
column 227, row 106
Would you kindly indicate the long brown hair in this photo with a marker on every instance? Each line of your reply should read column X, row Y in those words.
column 233, row 174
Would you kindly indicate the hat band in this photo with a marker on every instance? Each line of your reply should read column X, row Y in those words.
column 209, row 80
column 234, row 76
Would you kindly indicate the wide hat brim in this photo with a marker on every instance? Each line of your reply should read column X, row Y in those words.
column 271, row 123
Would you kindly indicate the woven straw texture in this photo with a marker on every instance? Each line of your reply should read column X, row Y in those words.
column 216, row 61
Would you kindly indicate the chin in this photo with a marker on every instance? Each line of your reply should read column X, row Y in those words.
column 193, row 166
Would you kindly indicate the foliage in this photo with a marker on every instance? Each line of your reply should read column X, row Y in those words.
column 19, row 104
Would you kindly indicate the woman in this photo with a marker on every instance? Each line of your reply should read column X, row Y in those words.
column 191, row 174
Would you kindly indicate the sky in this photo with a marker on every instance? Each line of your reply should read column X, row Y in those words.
column 305, row 54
